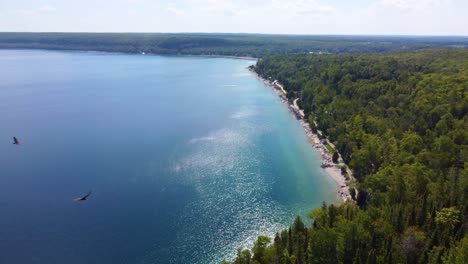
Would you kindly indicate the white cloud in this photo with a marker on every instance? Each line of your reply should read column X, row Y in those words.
column 402, row 8
column 265, row 7
column 303, row 7
column 131, row 12
column 410, row 5
column 47, row 8
column 172, row 9
column 26, row 11
column 35, row 11
column 418, row 17
column 226, row 7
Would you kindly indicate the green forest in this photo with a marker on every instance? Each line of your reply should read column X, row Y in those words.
column 400, row 122
column 248, row 45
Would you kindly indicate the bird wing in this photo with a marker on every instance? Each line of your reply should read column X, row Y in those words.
column 87, row 195
column 82, row 198
column 15, row 140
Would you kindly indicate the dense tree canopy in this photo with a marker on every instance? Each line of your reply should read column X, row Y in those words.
column 252, row 45
column 401, row 122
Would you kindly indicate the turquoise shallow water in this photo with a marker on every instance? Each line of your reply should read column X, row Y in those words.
column 189, row 158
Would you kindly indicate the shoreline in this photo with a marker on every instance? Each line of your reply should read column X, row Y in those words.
column 136, row 53
column 331, row 169
column 224, row 56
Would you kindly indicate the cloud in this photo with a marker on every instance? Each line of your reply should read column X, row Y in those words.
column 131, row 12
column 304, row 7
column 172, row 9
column 265, row 7
column 410, row 5
column 225, row 7
column 35, row 11
column 47, row 8
column 26, row 11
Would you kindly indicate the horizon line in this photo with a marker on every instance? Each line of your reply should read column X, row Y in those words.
column 232, row 33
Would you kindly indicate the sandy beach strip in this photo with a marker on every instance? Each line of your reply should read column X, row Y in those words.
column 297, row 108
column 279, row 86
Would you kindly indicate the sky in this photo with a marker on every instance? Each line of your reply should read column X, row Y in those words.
column 348, row 17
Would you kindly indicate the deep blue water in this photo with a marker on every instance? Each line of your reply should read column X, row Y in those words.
column 188, row 159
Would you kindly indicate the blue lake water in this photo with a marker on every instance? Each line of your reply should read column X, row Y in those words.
column 188, row 158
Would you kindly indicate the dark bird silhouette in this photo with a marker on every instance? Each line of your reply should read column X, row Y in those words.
column 15, row 141
column 83, row 198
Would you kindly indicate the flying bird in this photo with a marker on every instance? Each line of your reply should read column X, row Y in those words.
column 83, row 198
column 15, row 141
